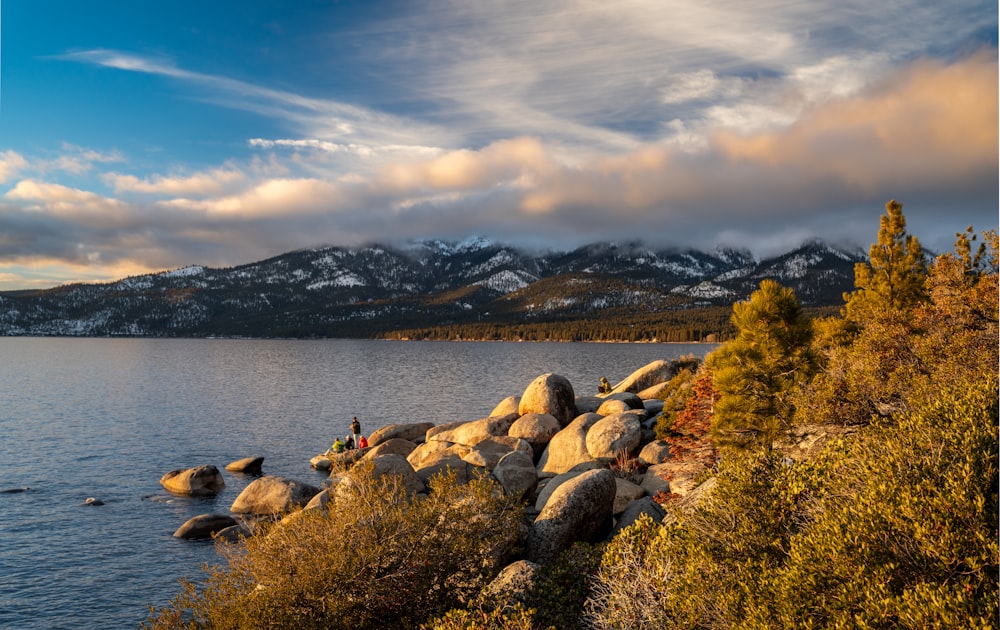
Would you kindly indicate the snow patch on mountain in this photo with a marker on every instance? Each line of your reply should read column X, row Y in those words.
column 704, row 290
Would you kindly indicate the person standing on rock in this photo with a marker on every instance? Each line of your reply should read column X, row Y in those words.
column 356, row 430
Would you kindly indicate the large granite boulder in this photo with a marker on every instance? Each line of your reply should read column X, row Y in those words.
column 646, row 376
column 204, row 526
column 630, row 399
column 579, row 509
column 248, row 465
column 612, row 407
column 512, row 585
column 656, row 480
column 625, row 493
column 683, row 476
column 463, row 470
column 506, row 406
column 568, row 448
column 655, row 452
column 653, row 392
column 414, row 432
column 273, row 495
column 516, row 473
column 487, row 453
column 393, row 446
column 197, row 481
column 653, row 408
column 635, row 509
column 537, row 428
column 615, row 436
column 551, row 394
column 550, row 486
column 588, row 404
column 473, row 432
column 397, row 466
column 429, row 453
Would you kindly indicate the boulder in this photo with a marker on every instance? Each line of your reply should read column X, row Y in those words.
column 414, row 432
column 625, row 493
column 512, row 585
column 655, row 480
column 653, row 408
column 537, row 428
column 579, row 509
column 568, row 448
column 614, row 436
column 551, row 394
column 247, row 465
column 487, row 454
column 320, row 501
column 653, row 392
column 392, row 446
column 632, row 512
column 646, row 376
column 397, row 465
column 516, row 473
column 197, row 481
column 612, row 407
column 93, row 502
column 655, row 452
column 588, row 404
column 321, row 462
column 474, row 432
column 630, row 399
column 273, row 495
column 506, row 406
column 463, row 470
column 429, row 453
column 233, row 534
column 204, row 526
column 552, row 484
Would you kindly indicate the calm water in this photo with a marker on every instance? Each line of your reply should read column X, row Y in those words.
column 106, row 418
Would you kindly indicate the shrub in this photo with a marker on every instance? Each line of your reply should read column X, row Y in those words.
column 377, row 557
column 896, row 527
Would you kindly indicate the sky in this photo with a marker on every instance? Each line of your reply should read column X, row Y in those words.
column 143, row 136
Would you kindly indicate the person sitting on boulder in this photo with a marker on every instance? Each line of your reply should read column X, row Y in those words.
column 604, row 387
column 338, row 447
column 363, row 442
column 349, row 442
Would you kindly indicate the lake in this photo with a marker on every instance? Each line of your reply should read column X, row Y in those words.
column 106, row 418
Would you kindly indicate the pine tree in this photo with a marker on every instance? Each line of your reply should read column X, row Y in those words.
column 757, row 371
column 893, row 279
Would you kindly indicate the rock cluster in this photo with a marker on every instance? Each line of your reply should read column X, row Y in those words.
column 586, row 466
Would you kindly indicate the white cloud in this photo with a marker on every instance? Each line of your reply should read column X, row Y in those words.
column 11, row 163
column 206, row 183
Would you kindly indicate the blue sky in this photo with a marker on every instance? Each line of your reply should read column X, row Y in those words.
column 143, row 136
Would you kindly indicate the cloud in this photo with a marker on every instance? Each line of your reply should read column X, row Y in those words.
column 11, row 163
column 326, row 119
column 271, row 198
column 63, row 201
column 206, row 183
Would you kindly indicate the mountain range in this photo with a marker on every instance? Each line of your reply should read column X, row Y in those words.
column 378, row 290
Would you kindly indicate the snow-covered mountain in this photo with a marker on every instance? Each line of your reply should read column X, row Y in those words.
column 370, row 290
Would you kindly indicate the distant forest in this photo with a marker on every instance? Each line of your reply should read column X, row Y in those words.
column 711, row 324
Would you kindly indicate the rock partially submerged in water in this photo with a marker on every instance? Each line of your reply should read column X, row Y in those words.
column 91, row 501
column 15, row 490
column 204, row 526
column 273, row 495
column 248, row 465
column 197, row 481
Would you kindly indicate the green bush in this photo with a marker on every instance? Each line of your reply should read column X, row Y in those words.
column 894, row 528
column 377, row 558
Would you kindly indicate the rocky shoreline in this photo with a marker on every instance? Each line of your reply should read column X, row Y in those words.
column 586, row 466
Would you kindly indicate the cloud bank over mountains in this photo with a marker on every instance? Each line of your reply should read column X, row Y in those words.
column 547, row 124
